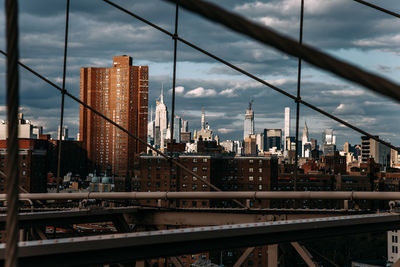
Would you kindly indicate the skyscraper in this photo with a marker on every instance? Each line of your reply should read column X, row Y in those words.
column 328, row 142
column 287, row 127
column 272, row 138
column 249, row 121
column 120, row 93
column 177, row 129
column 205, row 133
column 304, row 141
column 161, row 120
column 151, row 128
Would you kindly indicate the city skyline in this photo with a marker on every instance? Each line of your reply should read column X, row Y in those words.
column 201, row 81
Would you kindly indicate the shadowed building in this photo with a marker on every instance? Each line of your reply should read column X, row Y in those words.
column 121, row 94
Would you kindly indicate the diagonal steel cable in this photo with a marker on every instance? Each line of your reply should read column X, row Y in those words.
column 248, row 74
column 394, row 14
column 12, row 167
column 176, row 162
column 289, row 46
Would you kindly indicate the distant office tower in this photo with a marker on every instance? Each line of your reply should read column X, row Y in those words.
column 328, row 142
column 205, row 133
column 314, row 144
column 186, row 137
column 185, row 126
column 260, row 142
column 287, row 127
column 121, row 94
column 304, row 141
column 228, row 145
column 250, row 146
column 64, row 133
column 177, row 129
column 272, row 138
column 249, row 121
column 151, row 128
column 370, row 148
column 25, row 129
column 161, row 120
column 327, row 137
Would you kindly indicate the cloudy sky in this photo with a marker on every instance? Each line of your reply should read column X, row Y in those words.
column 343, row 28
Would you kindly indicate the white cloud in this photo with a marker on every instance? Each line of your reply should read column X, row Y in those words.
column 225, row 130
column 345, row 92
column 178, row 90
column 228, row 92
column 200, row 92
column 348, row 109
column 382, row 42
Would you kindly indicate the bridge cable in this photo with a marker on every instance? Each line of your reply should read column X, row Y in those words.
column 62, row 98
column 12, row 167
column 311, row 106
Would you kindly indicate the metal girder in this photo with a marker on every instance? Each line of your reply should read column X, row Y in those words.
column 215, row 216
column 119, row 248
column 338, row 195
column 155, row 216
column 272, row 255
column 305, row 254
column 244, row 256
column 71, row 216
column 176, row 262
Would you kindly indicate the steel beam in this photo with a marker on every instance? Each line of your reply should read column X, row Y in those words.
column 272, row 255
column 214, row 217
column 304, row 254
column 119, row 248
column 244, row 256
column 334, row 195
column 72, row 216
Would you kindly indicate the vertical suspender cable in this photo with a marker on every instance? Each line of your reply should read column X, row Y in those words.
column 62, row 98
column 297, row 100
column 12, row 141
column 175, row 36
column 172, row 141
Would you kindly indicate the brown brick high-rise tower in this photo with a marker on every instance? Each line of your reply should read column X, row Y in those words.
column 121, row 94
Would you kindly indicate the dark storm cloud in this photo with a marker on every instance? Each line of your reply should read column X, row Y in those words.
column 357, row 106
column 98, row 32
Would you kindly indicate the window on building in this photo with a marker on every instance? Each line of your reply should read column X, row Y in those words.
column 259, row 187
column 194, row 178
column 260, row 170
column 204, row 160
column 194, row 160
column 250, row 169
column 251, row 161
column 251, row 178
column 195, row 169
column 260, row 178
